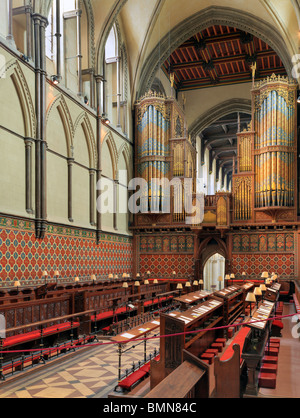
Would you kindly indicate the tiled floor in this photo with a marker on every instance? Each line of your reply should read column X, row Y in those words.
column 90, row 374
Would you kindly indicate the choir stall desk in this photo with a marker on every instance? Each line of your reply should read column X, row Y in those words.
column 191, row 298
column 130, row 335
column 253, row 350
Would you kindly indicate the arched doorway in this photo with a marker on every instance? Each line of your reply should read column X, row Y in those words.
column 214, row 268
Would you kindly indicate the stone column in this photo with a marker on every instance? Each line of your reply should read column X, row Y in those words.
column 118, row 94
column 28, row 11
column 10, row 36
column 28, row 174
column 40, row 23
column 79, row 55
column 99, row 85
column 92, row 196
column 70, row 162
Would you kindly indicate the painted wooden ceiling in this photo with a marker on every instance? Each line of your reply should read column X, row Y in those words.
column 221, row 55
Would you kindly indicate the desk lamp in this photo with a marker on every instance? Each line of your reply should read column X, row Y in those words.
column 250, row 298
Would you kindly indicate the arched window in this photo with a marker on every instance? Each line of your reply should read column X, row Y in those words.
column 115, row 73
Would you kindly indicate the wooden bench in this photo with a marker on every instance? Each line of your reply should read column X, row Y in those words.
column 228, row 367
column 189, row 379
column 135, row 377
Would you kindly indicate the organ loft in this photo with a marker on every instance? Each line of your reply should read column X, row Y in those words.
column 264, row 181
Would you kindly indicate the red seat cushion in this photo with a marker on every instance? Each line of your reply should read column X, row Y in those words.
column 129, row 381
column 34, row 335
column 238, row 339
column 278, row 324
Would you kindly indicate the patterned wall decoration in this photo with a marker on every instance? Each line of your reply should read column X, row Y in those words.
column 71, row 251
column 254, row 264
column 266, row 242
column 166, row 244
column 163, row 264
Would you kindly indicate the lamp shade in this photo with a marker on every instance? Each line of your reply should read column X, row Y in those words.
column 263, row 287
column 116, row 276
column 76, row 279
column 243, row 274
column 148, row 272
column 93, row 277
column 195, row 283
column 232, row 276
column 174, row 273
column 257, row 291
column 56, row 273
column 155, row 281
column 187, row 284
column 17, row 283
column 227, row 277
column 110, row 276
column 250, row 297
column 138, row 275
column 201, row 282
column 124, row 275
column 137, row 283
column 125, row 284
column 265, row 274
column 220, row 279
column 45, row 273
column 146, row 281
column 179, row 286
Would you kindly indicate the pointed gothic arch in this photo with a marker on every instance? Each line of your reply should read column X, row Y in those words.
column 83, row 121
column 60, row 104
column 13, row 70
column 113, row 152
column 212, row 15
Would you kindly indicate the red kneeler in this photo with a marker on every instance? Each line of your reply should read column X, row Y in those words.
column 221, row 340
column 208, row 356
column 268, row 368
column 214, row 351
column 218, row 346
column 230, row 332
column 267, row 380
column 270, row 359
column 271, row 351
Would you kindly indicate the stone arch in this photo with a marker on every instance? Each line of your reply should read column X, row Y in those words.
column 60, row 104
column 207, row 248
column 110, row 20
column 13, row 70
column 212, row 15
column 83, row 121
column 127, row 156
column 113, row 152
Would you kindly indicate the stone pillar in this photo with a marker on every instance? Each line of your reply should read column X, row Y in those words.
column 118, row 95
column 70, row 162
column 28, row 174
column 92, row 196
column 79, row 55
column 99, row 85
column 40, row 24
